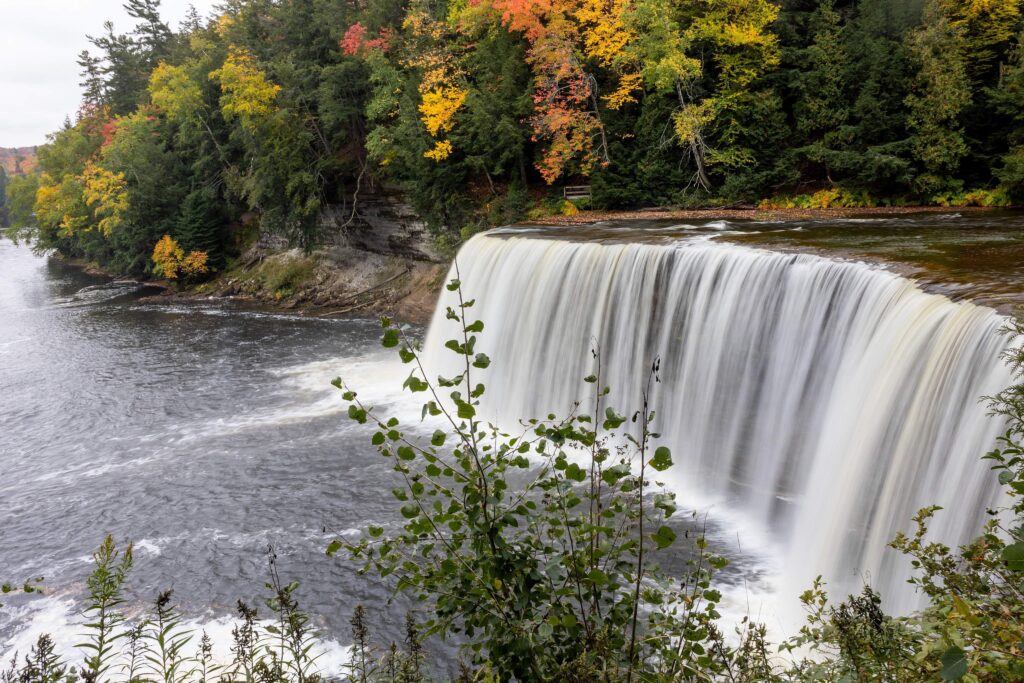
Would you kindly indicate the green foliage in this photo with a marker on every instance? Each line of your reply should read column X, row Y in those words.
column 164, row 641
column 938, row 97
column 154, row 646
column 832, row 198
column 200, row 224
column 283, row 274
column 19, row 208
column 983, row 197
column 106, row 595
column 3, row 197
column 538, row 547
column 41, row 665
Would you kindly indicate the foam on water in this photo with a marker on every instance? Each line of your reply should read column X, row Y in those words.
column 61, row 618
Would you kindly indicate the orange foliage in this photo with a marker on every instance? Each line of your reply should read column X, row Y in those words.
column 170, row 260
column 563, row 113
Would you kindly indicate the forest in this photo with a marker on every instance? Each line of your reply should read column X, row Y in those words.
column 192, row 139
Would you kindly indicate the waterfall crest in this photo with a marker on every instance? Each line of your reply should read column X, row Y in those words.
column 826, row 401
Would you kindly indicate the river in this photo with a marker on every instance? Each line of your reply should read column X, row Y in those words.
column 207, row 432
column 204, row 433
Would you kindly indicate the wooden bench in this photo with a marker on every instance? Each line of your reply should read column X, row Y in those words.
column 571, row 192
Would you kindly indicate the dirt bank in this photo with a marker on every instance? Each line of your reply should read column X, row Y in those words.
column 335, row 281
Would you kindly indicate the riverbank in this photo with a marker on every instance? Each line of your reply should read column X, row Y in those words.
column 326, row 283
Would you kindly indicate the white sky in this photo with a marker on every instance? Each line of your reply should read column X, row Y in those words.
column 39, row 43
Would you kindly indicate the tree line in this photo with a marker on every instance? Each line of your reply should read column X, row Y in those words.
column 191, row 140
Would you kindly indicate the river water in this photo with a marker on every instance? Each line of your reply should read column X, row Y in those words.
column 206, row 432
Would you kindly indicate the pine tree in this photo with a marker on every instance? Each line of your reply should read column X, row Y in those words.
column 1007, row 100
column 151, row 31
column 92, row 83
column 870, row 150
column 199, row 225
column 821, row 106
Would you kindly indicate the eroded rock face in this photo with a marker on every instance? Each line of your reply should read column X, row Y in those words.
column 380, row 259
column 382, row 223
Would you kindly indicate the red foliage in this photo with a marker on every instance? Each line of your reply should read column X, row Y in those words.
column 354, row 43
column 109, row 130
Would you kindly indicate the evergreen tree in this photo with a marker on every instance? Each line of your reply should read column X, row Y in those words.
column 123, row 68
column 152, row 35
column 1007, row 101
column 940, row 92
column 870, row 150
column 821, row 104
column 199, row 224
column 92, row 83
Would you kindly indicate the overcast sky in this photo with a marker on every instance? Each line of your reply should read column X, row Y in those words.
column 39, row 43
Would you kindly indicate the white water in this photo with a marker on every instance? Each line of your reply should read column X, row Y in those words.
column 825, row 402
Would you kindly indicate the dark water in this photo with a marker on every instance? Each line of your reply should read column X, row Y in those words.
column 975, row 255
column 203, row 433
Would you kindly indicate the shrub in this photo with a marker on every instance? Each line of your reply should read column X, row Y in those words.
column 981, row 197
column 538, row 547
column 155, row 646
column 170, row 260
column 284, row 274
column 830, row 198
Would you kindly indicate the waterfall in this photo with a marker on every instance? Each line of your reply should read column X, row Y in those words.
column 825, row 401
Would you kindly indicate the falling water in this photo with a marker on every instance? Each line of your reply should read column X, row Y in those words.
column 825, row 401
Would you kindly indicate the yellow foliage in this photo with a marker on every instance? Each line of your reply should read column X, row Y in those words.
column 247, row 93
column 167, row 255
column 47, row 198
column 224, row 22
column 60, row 204
column 440, row 72
column 439, row 106
column 605, row 34
column 170, row 260
column 195, row 263
column 171, row 89
column 569, row 209
column 628, row 84
column 691, row 119
column 983, row 25
column 107, row 194
column 442, row 150
column 745, row 24
column 830, row 198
